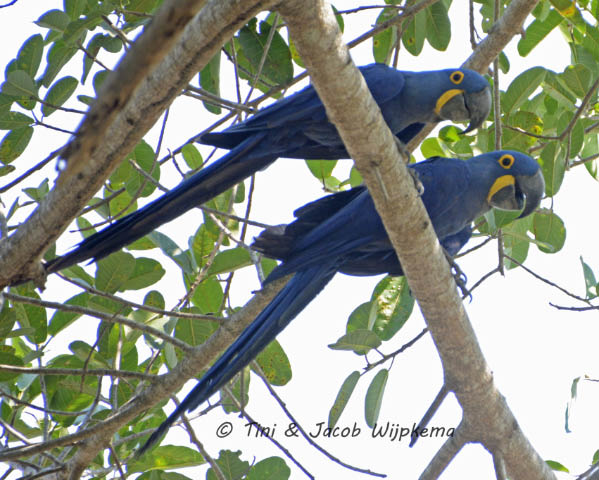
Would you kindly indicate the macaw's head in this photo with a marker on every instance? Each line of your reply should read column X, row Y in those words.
column 512, row 180
column 461, row 95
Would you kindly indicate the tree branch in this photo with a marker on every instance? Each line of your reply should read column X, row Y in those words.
column 368, row 140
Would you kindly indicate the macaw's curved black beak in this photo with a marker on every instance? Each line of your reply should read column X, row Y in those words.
column 518, row 192
column 457, row 105
column 533, row 188
column 479, row 106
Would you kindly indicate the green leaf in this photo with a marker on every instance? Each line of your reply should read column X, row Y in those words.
column 144, row 6
column 549, row 229
column 19, row 83
column 231, row 463
column 268, row 265
column 382, row 42
column 521, row 88
column 229, row 261
column 392, row 305
column 194, row 332
column 99, row 79
column 6, row 102
column 230, row 402
column 158, row 474
column 113, row 271
column 355, row 178
column 557, row 91
column 414, row 34
column 432, row 148
column 77, row 29
column 85, row 99
column 7, row 358
column 210, row 81
column 30, row 55
column 277, row 65
column 119, row 205
column 504, row 63
column 360, row 341
column 274, row 363
column 576, row 139
column 528, row 121
column 6, row 170
column 450, row 134
column 553, row 167
column 167, row 456
column 201, row 245
column 58, row 55
column 504, row 217
column 590, row 282
column 374, row 397
column 343, row 396
column 14, row 143
column 154, row 299
column 515, row 241
column 62, row 319
column 147, row 272
column 75, row 8
column 8, row 319
column 321, row 169
column 192, row 156
column 537, row 31
column 578, row 79
column 31, row 316
column 59, row 93
column 269, row 468
column 55, row 20
column 145, row 158
column 92, row 48
column 208, row 296
column 558, row 467
column 38, row 193
column 438, row 26
column 171, row 250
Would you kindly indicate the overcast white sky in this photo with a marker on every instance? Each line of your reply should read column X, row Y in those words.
column 533, row 350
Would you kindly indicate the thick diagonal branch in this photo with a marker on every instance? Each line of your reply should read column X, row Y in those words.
column 371, row 144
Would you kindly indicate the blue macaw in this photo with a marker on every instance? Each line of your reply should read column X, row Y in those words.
column 297, row 127
column 343, row 233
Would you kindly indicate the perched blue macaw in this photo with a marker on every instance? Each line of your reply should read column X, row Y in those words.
column 297, row 127
column 343, row 233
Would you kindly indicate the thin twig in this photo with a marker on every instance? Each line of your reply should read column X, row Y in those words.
column 32, row 170
column 548, row 282
column 102, row 316
column 307, row 437
column 106, row 372
column 392, row 355
column 148, row 308
column 285, row 451
column 219, row 100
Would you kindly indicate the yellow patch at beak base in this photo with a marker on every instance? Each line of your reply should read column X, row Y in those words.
column 500, row 183
column 443, row 99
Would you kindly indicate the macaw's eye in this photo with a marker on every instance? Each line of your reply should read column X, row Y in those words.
column 506, row 161
column 457, row 77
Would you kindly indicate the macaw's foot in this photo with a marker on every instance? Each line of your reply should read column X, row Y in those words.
column 459, row 276
column 417, row 183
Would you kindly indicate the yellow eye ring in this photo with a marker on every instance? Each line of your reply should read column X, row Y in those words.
column 457, row 77
column 506, row 161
